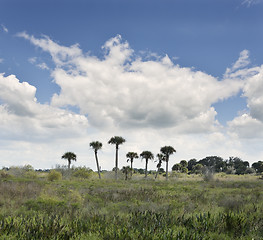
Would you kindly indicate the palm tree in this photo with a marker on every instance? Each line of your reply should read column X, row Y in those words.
column 146, row 155
column 161, row 158
column 70, row 156
column 131, row 156
column 117, row 141
column 96, row 146
column 167, row 151
column 126, row 170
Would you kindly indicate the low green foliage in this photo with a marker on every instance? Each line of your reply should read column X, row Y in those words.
column 82, row 172
column 182, row 208
column 54, row 175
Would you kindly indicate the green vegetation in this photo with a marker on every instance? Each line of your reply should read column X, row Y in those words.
column 76, row 207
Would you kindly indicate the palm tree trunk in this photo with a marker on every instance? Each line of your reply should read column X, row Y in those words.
column 97, row 162
column 146, row 165
column 131, row 167
column 116, row 163
column 158, row 170
column 167, row 169
column 69, row 164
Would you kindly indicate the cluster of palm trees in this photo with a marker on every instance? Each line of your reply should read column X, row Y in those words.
column 163, row 156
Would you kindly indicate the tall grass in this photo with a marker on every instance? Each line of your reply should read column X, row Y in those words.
column 80, row 208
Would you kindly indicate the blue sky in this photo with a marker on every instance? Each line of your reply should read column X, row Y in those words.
column 187, row 73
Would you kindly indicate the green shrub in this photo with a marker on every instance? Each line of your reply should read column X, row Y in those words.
column 54, row 175
column 30, row 174
column 4, row 174
column 82, row 172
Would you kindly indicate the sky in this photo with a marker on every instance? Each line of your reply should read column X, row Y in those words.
column 183, row 73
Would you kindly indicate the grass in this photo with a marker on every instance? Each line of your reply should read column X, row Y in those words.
column 185, row 207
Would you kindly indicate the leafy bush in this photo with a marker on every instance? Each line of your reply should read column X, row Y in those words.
column 54, row 175
column 82, row 172
column 4, row 174
column 30, row 174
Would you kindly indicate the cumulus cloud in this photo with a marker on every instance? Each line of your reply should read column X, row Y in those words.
column 125, row 90
column 246, row 126
column 251, row 124
column 22, row 117
column 253, row 90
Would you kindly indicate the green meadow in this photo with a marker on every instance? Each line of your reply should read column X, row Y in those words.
column 35, row 205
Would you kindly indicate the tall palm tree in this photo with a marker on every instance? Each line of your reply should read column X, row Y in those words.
column 96, row 146
column 160, row 157
column 167, row 151
column 70, row 156
column 117, row 141
column 146, row 155
column 131, row 156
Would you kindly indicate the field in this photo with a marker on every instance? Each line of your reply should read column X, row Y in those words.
column 185, row 207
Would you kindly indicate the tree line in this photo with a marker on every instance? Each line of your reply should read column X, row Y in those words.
column 163, row 156
column 214, row 164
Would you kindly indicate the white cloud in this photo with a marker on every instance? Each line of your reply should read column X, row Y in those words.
column 250, row 125
column 1, row 60
column 253, row 90
column 60, row 54
column 22, row 117
column 245, row 126
column 32, row 60
column 249, row 3
column 243, row 60
column 122, row 91
column 4, row 28
column 239, row 69
column 41, row 65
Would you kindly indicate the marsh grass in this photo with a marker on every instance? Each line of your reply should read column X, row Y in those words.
column 185, row 207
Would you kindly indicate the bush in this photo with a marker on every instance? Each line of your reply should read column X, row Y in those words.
column 250, row 171
column 4, row 174
column 54, row 175
column 30, row 174
column 82, row 172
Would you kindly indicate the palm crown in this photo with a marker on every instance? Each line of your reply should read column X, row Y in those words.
column 167, row 151
column 146, row 155
column 96, row 145
column 70, row 156
column 131, row 156
column 117, row 141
